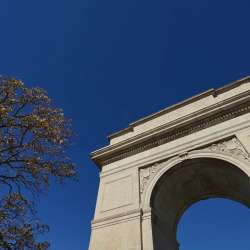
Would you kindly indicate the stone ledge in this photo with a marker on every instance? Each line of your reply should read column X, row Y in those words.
column 196, row 123
column 117, row 218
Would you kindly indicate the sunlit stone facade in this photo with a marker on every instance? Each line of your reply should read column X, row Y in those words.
column 152, row 171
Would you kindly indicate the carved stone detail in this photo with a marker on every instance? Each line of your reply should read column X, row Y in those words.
column 147, row 174
column 178, row 133
column 232, row 147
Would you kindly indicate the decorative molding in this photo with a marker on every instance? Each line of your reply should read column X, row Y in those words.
column 231, row 146
column 177, row 133
column 120, row 216
column 147, row 174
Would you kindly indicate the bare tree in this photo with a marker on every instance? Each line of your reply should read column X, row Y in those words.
column 33, row 139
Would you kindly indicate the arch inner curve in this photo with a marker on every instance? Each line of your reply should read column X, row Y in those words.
column 189, row 182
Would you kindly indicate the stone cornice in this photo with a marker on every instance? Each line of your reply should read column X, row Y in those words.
column 212, row 115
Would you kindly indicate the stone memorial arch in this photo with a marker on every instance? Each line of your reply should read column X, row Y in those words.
column 152, row 171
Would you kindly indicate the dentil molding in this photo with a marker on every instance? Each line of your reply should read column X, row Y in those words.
column 179, row 132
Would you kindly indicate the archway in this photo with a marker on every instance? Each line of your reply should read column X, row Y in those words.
column 216, row 223
column 186, row 183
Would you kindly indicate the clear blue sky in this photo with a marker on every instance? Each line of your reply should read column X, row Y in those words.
column 109, row 63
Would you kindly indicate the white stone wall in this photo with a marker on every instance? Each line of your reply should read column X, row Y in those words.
column 123, row 216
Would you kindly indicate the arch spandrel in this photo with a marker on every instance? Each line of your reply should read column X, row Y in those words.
column 228, row 150
column 185, row 181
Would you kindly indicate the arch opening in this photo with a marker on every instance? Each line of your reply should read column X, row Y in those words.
column 187, row 183
column 216, row 224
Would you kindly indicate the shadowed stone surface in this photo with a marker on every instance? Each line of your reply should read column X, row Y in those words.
column 189, row 182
